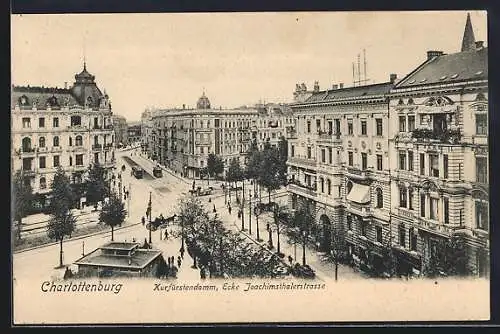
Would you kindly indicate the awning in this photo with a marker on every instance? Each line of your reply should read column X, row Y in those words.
column 359, row 194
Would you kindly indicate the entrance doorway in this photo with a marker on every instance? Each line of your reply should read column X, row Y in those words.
column 326, row 241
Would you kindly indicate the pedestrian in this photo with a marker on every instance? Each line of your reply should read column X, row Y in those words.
column 229, row 209
column 172, row 259
column 133, row 239
column 143, row 220
column 215, row 210
column 182, row 252
column 166, row 234
column 168, row 259
column 179, row 261
column 290, row 259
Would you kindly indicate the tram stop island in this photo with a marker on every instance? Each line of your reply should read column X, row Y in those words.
column 124, row 259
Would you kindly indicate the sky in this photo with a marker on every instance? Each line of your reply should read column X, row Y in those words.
column 166, row 60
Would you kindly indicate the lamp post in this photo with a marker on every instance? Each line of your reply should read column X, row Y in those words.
column 149, row 211
column 83, row 248
column 242, row 210
column 225, row 191
column 250, row 211
column 128, row 202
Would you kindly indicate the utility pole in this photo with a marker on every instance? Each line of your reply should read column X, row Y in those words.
column 150, row 212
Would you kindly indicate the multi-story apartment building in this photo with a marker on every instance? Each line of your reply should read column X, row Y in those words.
column 339, row 165
column 146, row 129
column 399, row 165
column 439, row 150
column 134, row 133
column 182, row 139
column 120, row 127
column 60, row 127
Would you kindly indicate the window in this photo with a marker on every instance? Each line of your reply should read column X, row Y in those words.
column 43, row 183
column 378, row 122
column 41, row 142
column 402, row 235
column 380, row 198
column 78, row 141
column 79, row 159
column 42, row 162
column 96, row 140
column 201, row 150
column 349, row 223
column 363, row 228
column 422, row 163
column 56, row 161
column 413, row 240
column 410, row 198
column 481, row 124
column 318, row 125
column 378, row 231
column 482, row 221
column 329, row 186
column 411, row 123
column 96, row 157
column 410, row 160
column 379, row 162
column 76, row 121
column 403, row 200
column 422, row 205
column 26, row 122
column 402, row 160
column 402, row 123
column 363, row 127
column 364, row 161
column 350, row 129
column 433, row 165
column 308, row 126
column 349, row 187
column 434, row 208
column 292, row 151
column 70, row 141
column 330, row 155
column 41, row 122
column 445, row 166
column 351, row 158
column 96, row 123
column 27, row 163
column 55, row 141
column 481, row 170
column 71, row 161
column 323, row 158
column 322, row 184
column 55, row 122
column 446, row 209
column 309, row 152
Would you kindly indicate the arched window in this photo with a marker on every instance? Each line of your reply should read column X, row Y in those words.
column 78, row 140
column 43, row 183
column 400, row 102
column 329, row 186
column 410, row 101
column 380, row 198
column 322, row 184
column 349, row 187
column 55, row 141
column 480, row 97
column 41, row 142
column 26, row 144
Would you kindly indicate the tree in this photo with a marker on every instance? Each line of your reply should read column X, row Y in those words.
column 253, row 163
column 234, row 174
column 280, row 213
column 269, row 176
column 113, row 213
column 302, row 221
column 215, row 165
column 96, row 187
column 22, row 198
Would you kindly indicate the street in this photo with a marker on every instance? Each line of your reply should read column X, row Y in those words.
column 40, row 262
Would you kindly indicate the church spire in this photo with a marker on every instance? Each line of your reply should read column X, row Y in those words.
column 468, row 41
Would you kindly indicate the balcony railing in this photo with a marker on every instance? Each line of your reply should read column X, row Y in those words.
column 97, row 127
column 56, row 149
column 435, row 226
column 28, row 150
column 443, row 136
column 403, row 212
column 28, row 172
column 302, row 161
column 329, row 137
column 96, row 146
column 357, row 173
column 108, row 127
column 296, row 187
column 363, row 210
column 42, row 149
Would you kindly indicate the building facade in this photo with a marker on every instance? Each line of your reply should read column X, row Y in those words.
column 60, row 127
column 134, row 133
column 182, row 139
column 400, row 166
column 339, row 166
column 146, row 132
column 121, row 133
column 439, row 144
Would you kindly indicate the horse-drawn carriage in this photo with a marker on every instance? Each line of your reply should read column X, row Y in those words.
column 160, row 222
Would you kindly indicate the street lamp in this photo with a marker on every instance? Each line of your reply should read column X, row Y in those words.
column 128, row 203
column 250, row 211
column 149, row 212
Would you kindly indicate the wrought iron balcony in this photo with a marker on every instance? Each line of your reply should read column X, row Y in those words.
column 443, row 136
column 97, row 147
column 301, row 189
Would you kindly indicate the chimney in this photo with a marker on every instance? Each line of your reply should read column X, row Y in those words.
column 183, row 106
column 65, row 85
column 431, row 54
column 393, row 77
column 479, row 45
column 341, row 85
column 335, row 86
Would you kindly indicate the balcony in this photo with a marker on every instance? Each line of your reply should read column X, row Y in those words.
column 447, row 136
column 108, row 146
column 433, row 226
column 26, row 151
column 329, row 138
column 363, row 210
column 108, row 127
column 356, row 173
column 410, row 214
column 44, row 149
column 97, row 127
column 56, row 149
column 77, row 128
column 97, row 147
column 291, row 134
column 301, row 162
column 28, row 172
column 303, row 190
column 203, row 142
